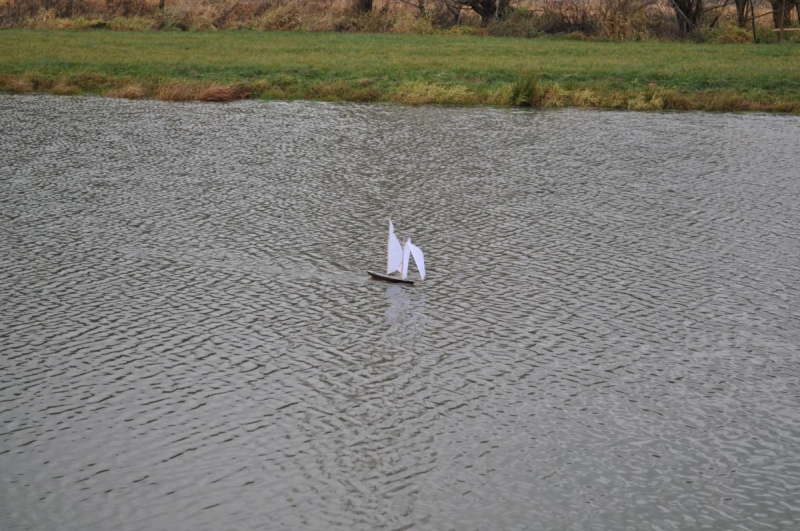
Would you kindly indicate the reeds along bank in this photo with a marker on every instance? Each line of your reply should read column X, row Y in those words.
column 718, row 20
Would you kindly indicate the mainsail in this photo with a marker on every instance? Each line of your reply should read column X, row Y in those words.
column 394, row 254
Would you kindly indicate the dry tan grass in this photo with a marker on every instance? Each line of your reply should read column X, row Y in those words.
column 500, row 96
column 645, row 101
column 675, row 101
column 367, row 95
column 176, row 92
column 729, row 102
column 585, row 98
column 216, row 92
column 65, row 88
column 209, row 92
column 16, row 85
column 131, row 91
column 421, row 93
column 556, row 96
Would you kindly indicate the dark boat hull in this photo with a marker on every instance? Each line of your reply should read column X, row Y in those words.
column 387, row 278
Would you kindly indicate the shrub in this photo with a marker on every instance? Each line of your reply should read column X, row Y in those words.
column 728, row 35
column 126, row 8
column 467, row 31
column 283, row 18
column 628, row 19
column 568, row 16
column 766, row 35
column 518, row 23
column 610, row 19
column 174, row 18
column 407, row 23
column 131, row 24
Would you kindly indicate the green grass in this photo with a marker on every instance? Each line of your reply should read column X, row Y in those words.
column 414, row 69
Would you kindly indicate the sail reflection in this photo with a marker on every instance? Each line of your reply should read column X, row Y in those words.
column 406, row 306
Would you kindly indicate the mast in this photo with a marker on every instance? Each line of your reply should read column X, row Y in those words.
column 404, row 264
column 389, row 248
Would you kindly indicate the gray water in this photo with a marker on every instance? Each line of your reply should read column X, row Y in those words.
column 608, row 336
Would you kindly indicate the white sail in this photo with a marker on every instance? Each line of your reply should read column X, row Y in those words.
column 419, row 258
column 406, row 251
column 394, row 253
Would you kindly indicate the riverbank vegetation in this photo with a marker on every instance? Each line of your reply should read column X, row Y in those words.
column 410, row 69
column 634, row 54
column 702, row 20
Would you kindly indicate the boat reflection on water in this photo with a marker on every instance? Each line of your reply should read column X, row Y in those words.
column 406, row 307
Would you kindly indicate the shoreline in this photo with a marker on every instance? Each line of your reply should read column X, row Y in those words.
column 554, row 96
column 408, row 70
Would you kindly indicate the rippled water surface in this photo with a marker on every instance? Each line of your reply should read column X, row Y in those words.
column 608, row 336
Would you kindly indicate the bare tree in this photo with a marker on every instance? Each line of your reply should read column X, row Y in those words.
column 783, row 8
column 419, row 5
column 445, row 13
column 362, row 6
column 488, row 10
column 688, row 13
column 741, row 12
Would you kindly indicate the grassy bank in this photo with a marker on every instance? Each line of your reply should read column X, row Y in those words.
column 411, row 69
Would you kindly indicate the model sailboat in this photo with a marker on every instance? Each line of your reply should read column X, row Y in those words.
column 398, row 257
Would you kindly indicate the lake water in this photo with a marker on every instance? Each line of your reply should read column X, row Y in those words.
column 608, row 336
